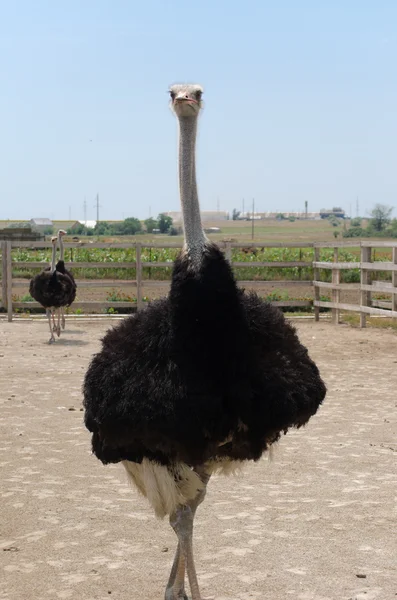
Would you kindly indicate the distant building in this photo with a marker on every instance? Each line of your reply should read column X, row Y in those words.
column 65, row 224
column 333, row 212
column 90, row 224
column 40, row 224
column 18, row 234
column 297, row 215
column 206, row 215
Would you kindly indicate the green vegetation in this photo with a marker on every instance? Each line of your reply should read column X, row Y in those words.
column 130, row 226
column 123, row 255
column 353, row 320
column 379, row 225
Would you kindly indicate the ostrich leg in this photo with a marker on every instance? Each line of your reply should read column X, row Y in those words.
column 58, row 325
column 182, row 523
column 176, row 584
column 52, row 339
column 63, row 317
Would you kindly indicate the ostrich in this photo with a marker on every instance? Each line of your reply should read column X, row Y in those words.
column 174, row 407
column 60, row 267
column 52, row 290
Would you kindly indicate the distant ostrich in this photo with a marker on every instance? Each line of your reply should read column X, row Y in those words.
column 174, row 406
column 60, row 266
column 51, row 289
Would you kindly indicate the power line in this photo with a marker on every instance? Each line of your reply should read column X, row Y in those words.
column 97, row 205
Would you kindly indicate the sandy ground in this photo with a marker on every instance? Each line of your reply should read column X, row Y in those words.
column 315, row 524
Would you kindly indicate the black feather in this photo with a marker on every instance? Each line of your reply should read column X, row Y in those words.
column 207, row 364
column 60, row 267
column 51, row 290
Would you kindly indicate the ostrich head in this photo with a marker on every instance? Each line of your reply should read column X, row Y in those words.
column 186, row 99
column 61, row 232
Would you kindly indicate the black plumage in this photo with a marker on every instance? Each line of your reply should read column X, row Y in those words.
column 50, row 289
column 60, row 268
column 208, row 364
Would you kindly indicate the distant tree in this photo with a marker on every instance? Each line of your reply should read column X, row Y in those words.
column 173, row 231
column 129, row 226
column 164, row 223
column 336, row 233
column 151, row 224
column 356, row 222
column 380, row 217
column 333, row 220
column 78, row 229
column 391, row 231
column 280, row 216
column 291, row 218
column 235, row 214
column 48, row 230
column 102, row 228
column 355, row 232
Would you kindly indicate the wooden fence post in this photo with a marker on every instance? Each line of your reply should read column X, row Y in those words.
column 394, row 279
column 9, row 281
column 316, row 274
column 4, row 274
column 139, row 301
column 335, row 292
column 365, row 279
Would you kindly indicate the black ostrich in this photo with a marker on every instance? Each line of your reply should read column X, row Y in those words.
column 60, row 267
column 51, row 289
column 199, row 381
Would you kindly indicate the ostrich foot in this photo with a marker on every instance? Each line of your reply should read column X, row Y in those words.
column 63, row 322
column 170, row 595
column 51, row 340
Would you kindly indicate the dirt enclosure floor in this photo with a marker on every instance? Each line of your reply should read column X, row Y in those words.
column 316, row 523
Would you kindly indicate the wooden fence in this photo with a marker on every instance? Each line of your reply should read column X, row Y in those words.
column 139, row 284
column 365, row 288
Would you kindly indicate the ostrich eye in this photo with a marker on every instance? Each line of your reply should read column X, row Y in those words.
column 199, row 94
column 172, row 94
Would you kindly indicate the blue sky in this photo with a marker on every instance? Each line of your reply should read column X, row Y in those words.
column 300, row 104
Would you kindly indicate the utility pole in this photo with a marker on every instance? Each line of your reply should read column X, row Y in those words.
column 305, row 209
column 97, row 206
column 85, row 211
column 253, row 218
column 243, row 209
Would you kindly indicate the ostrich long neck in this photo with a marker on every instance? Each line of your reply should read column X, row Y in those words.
column 54, row 250
column 195, row 239
column 61, row 248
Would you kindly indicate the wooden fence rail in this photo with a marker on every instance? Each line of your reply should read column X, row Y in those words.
column 365, row 287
